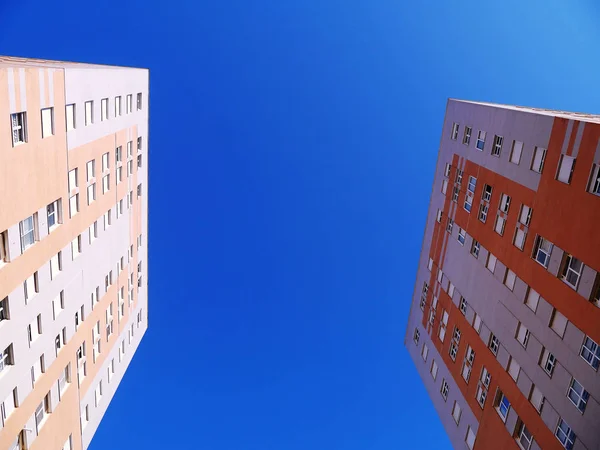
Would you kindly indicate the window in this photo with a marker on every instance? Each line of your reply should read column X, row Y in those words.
column 117, row 106
column 480, row 140
column 502, row 405
column 558, row 323
column 443, row 324
column 524, row 437
column 55, row 265
column 594, row 183
column 565, row 434
column 504, row 203
column 6, row 358
column 470, row 438
column 434, row 369
column 416, row 336
column 4, row 309
column 424, row 352
column 139, row 161
column 430, row 264
column 463, row 306
column 76, row 247
column 456, row 412
column 467, row 136
column 107, row 219
column 519, row 239
column 58, row 304
column 483, row 212
column 70, row 115
column 578, row 395
column 499, row 226
column 475, row 248
column 31, row 287
column 41, row 412
column 537, row 163
column 47, row 122
column 129, row 103
column 491, row 262
column 565, row 169
column 497, row 148
column 477, row 322
column 73, row 199
column 111, row 370
column 85, row 417
column 591, row 352
column 536, row 398
column 81, row 363
column 461, row 236
column 514, row 368
column 440, row 275
column 542, row 250
column 18, row 123
column 104, row 109
column 68, row 444
column 455, row 194
column 532, row 299
column 118, row 154
column 98, row 393
column 447, row 169
column 454, row 134
column 129, row 149
column 548, row 362
column 472, row 184
column 3, row 247
column 444, row 186
column 139, row 101
column 459, row 176
column 105, row 162
column 494, row 344
column 34, row 329
column 487, row 193
column 453, row 350
column 89, row 113
column 515, row 154
column 119, row 176
column 439, row 215
column 525, row 215
column 27, row 230
column 444, row 390
column 450, row 225
column 572, row 268
column 522, row 334
column 52, row 211
column 482, row 387
column 468, row 364
column 105, row 183
column 509, row 279
column 139, row 190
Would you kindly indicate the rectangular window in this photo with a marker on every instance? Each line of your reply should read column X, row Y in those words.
column 499, row 225
column 139, row 161
column 76, row 247
column 463, row 306
column 4, row 315
column 525, row 215
column 483, row 212
column 472, row 184
column 444, row 186
column 70, row 116
column 89, row 112
column 536, row 398
column 468, row 202
column 31, row 287
column 104, row 109
column 467, row 136
column 480, row 140
column 18, row 123
column 119, row 176
column 424, row 352
column 456, row 412
column 565, row 169
column 139, row 144
column 443, row 324
column 494, row 344
column 447, row 169
column 27, row 229
column 52, row 212
column 73, row 205
column 531, row 299
column 515, row 154
column 519, row 239
column 439, row 215
column 565, row 434
column 105, row 184
column 454, row 134
column 578, row 395
column 455, row 194
column 461, row 236
column 524, row 436
column 475, row 248
column 129, row 149
column 548, row 362
column 482, row 387
column 459, row 176
column 594, row 183
column 91, row 193
column 416, row 336
column 487, row 193
column 117, row 106
column 90, row 170
column 139, row 190
column 477, row 323
column 433, row 370
column 58, row 304
column 129, row 103
column 558, row 322
column 6, row 358
column 497, row 147
column 537, row 163
column 514, row 368
column 509, row 279
column 572, row 269
column 502, row 405
column 3, row 247
column 468, row 363
column 105, row 162
column 444, row 390
column 542, row 250
column 491, row 262
column 522, row 334
column 47, row 122
column 504, row 203
column 470, row 438
column 139, row 101
column 591, row 352
column 449, row 225
column 98, row 393
column 55, row 265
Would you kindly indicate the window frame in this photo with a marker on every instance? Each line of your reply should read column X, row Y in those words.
column 18, row 123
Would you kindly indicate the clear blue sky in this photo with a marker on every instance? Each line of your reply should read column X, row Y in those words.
column 292, row 148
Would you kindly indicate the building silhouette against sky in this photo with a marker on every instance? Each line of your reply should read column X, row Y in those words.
column 73, row 245
column 505, row 320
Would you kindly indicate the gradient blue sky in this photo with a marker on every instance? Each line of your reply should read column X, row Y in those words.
column 292, row 148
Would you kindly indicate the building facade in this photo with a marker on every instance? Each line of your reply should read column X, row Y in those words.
column 73, row 245
column 504, row 323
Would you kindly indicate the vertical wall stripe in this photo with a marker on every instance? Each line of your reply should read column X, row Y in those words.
column 11, row 90
column 42, row 89
column 578, row 139
column 50, row 87
column 565, row 145
column 22, row 89
column 572, row 137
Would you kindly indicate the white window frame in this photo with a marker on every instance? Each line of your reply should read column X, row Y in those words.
column 19, row 128
column 480, row 144
column 566, row 166
column 525, row 215
column 47, row 117
column 548, row 362
column 456, row 412
column 104, row 109
column 538, row 159
column 594, row 183
column 28, row 232
column 454, row 133
column 578, row 395
column 497, row 147
column 462, row 236
column 502, row 406
column 467, row 135
column 89, row 112
column 445, row 389
column 70, row 116
column 117, row 106
column 483, row 212
column 590, row 352
column 542, row 249
column 572, row 270
column 516, row 152
column 565, row 434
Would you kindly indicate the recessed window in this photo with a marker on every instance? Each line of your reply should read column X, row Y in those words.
column 117, row 106
column 470, row 438
column 494, row 344
column 98, row 393
column 477, row 323
column 454, row 134
column 444, row 390
column 424, row 352
column 430, row 264
column 443, row 325
column 89, row 112
column 129, row 103
column 129, row 149
column 439, row 215
column 525, row 215
column 70, row 116
column 480, row 140
column 6, row 358
column 487, row 193
column 482, row 387
column 105, row 183
column 578, row 395
column 491, row 262
column 105, row 162
column 139, row 101
column 31, row 287
column 434, row 370
column 502, row 405
column 514, row 368
column 536, row 398
column 522, row 335
column 497, row 147
column 18, row 123
column 591, row 352
column 463, row 306
column 456, row 412
column 468, row 202
column 451, row 290
column 4, row 247
column 455, row 194
column 461, row 236
column 53, row 215
column 542, row 250
column 4, row 314
column 548, row 362
column 416, row 336
column 450, row 225
column 459, row 176
column 27, row 229
column 55, row 265
column 532, row 299
column 76, row 247
column 468, row 364
column 509, row 279
column 565, row 169
column 472, row 184
column 519, row 239
column 571, row 272
column 444, row 186
column 499, row 225
column 47, row 122
column 524, row 436
column 483, row 212
column 594, row 183
column 104, row 109
column 467, row 136
column 558, row 322
column 91, row 193
column 539, row 156
column 504, row 203
column 515, row 154
column 475, row 248
column 34, row 329
column 565, row 434
column 139, row 160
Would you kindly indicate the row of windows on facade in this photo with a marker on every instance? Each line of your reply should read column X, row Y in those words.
column 571, row 267
column 29, row 227
column 19, row 124
column 524, row 437
column 566, row 164
column 45, row 408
